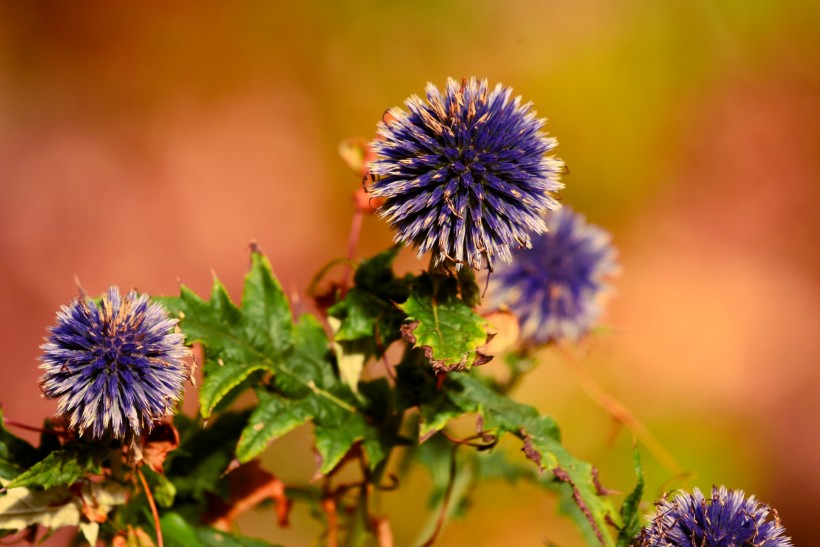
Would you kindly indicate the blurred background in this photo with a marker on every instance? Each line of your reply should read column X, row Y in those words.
column 147, row 144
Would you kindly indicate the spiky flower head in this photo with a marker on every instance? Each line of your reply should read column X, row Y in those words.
column 465, row 173
column 555, row 288
column 116, row 367
column 727, row 519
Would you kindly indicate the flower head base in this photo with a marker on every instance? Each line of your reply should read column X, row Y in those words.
column 465, row 173
column 554, row 287
column 727, row 519
column 116, row 367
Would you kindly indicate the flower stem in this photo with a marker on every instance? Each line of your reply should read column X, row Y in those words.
column 153, row 505
column 329, row 507
column 20, row 425
column 352, row 243
column 619, row 412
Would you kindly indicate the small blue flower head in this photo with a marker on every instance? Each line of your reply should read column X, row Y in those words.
column 554, row 288
column 727, row 519
column 465, row 173
column 116, row 366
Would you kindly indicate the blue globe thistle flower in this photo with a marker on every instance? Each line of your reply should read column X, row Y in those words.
column 727, row 519
column 554, row 288
column 116, row 366
column 465, row 173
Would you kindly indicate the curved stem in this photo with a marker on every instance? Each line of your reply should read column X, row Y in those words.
column 153, row 505
column 619, row 412
column 352, row 243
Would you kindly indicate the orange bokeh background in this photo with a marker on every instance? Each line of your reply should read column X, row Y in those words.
column 147, row 144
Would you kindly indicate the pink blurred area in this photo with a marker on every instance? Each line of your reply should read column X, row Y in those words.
column 147, row 145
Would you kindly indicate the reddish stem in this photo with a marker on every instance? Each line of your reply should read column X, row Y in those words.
column 329, row 506
column 35, row 429
column 440, row 377
column 445, row 504
column 153, row 505
column 352, row 243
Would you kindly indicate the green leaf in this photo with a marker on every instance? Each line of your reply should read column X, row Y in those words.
column 16, row 454
column 630, row 515
column 309, row 389
column 359, row 312
column 448, row 331
column 541, row 444
column 61, row 468
column 306, row 369
column 237, row 340
column 376, row 276
column 368, row 314
column 197, row 466
column 177, row 532
column 302, row 385
column 265, row 307
column 334, row 441
column 220, row 381
column 162, row 488
column 272, row 418
column 209, row 537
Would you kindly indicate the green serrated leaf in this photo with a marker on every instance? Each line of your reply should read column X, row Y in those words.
column 16, row 455
column 630, row 515
column 358, row 312
column 448, row 331
column 306, row 369
column 221, row 380
column 334, row 439
column 542, row 444
column 368, row 314
column 273, row 417
column 61, row 468
column 265, row 307
column 237, row 340
column 375, row 275
column 260, row 336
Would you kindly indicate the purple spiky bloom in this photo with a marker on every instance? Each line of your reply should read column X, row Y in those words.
column 727, row 519
column 116, row 366
column 465, row 173
column 554, row 288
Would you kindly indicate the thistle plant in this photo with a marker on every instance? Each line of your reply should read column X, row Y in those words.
column 724, row 519
column 380, row 370
column 465, row 173
column 555, row 288
column 116, row 367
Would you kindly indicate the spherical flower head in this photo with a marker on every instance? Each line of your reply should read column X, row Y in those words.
column 555, row 287
column 465, row 173
column 727, row 519
column 116, row 367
